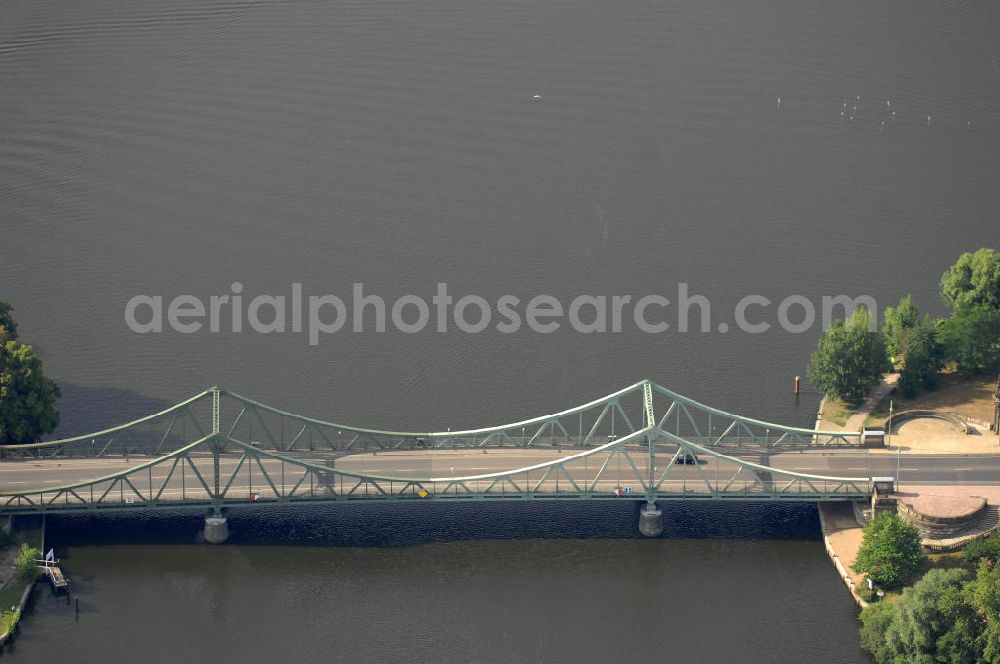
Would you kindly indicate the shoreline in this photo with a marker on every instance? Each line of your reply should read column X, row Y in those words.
column 7, row 636
column 831, row 552
column 837, row 563
column 26, row 594
column 819, row 414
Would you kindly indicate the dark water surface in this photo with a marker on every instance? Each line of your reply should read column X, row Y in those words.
column 366, row 583
column 175, row 147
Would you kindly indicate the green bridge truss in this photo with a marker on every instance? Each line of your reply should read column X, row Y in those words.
column 219, row 448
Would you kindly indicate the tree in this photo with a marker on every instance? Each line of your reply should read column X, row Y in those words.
column 27, row 397
column 890, row 552
column 971, row 337
column 25, row 561
column 922, row 361
column 983, row 594
column 6, row 320
column 973, row 280
column 898, row 323
column 876, row 619
column 988, row 548
column 850, row 359
column 934, row 621
column 960, row 642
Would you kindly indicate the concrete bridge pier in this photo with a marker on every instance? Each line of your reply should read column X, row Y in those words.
column 650, row 520
column 216, row 527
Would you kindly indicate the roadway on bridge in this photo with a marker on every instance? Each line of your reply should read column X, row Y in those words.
column 928, row 469
column 23, row 475
column 924, row 468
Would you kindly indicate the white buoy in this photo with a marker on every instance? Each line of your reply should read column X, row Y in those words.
column 779, row 103
column 928, row 121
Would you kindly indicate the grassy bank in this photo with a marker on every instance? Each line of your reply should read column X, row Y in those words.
column 10, row 600
column 14, row 585
column 972, row 397
column 835, row 413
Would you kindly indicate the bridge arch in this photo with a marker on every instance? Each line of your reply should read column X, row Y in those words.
column 621, row 413
column 222, row 462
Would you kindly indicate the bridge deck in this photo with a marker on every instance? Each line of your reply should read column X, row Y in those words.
column 606, row 475
column 221, row 448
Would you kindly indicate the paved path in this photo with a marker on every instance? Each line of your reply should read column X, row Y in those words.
column 932, row 435
column 857, row 420
column 920, row 436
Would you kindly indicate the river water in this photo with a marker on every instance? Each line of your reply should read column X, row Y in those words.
column 459, row 583
column 562, row 148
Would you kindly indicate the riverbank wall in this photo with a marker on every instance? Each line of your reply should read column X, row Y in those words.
column 842, row 571
column 826, row 526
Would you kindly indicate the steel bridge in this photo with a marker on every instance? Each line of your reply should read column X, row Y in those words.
column 220, row 449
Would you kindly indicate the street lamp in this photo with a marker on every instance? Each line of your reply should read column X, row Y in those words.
column 888, row 434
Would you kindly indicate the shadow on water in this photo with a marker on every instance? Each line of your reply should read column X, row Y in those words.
column 84, row 409
column 403, row 524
